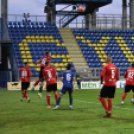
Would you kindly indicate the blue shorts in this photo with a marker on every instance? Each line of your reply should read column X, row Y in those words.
column 64, row 89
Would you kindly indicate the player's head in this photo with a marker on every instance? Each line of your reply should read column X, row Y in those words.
column 48, row 54
column 47, row 63
column 26, row 64
column 132, row 65
column 109, row 59
column 69, row 66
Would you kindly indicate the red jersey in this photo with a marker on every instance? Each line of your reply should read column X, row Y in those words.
column 110, row 74
column 43, row 60
column 50, row 75
column 129, row 75
column 25, row 74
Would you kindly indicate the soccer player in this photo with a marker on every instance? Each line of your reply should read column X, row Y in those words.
column 129, row 75
column 42, row 66
column 25, row 74
column 110, row 75
column 68, row 80
column 50, row 75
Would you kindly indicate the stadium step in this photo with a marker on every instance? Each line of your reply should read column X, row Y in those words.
column 74, row 50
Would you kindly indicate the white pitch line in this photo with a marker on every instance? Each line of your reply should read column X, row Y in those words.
column 100, row 104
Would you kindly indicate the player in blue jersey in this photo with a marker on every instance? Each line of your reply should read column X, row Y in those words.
column 68, row 79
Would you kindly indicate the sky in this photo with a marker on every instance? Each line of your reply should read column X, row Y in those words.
column 36, row 7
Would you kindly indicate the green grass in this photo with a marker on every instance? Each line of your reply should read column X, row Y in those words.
column 34, row 118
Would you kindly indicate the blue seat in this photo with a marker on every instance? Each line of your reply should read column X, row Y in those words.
column 54, row 60
column 60, row 61
column 59, row 73
column 33, row 69
column 34, row 74
column 35, row 48
column 21, row 65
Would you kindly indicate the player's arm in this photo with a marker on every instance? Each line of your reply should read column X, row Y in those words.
column 102, row 74
column 39, row 61
column 125, row 75
column 52, row 65
column 29, row 73
column 56, row 74
column 117, row 75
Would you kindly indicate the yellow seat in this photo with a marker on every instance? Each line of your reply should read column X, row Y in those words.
column 96, row 48
column 120, row 38
column 46, row 37
column 103, row 38
column 103, row 52
column 98, row 52
column 127, row 56
column 101, row 48
column 82, row 38
column 24, row 60
column 37, row 37
column 94, row 45
column 53, row 56
column 63, row 69
column 29, row 56
column 30, row 60
column 38, row 41
column 101, row 41
column 58, row 56
column 61, row 65
column 118, row 41
column 102, row 60
column 26, row 48
column 28, row 52
column 104, row 56
column 56, row 64
column 127, row 48
column 104, row 64
column 25, row 45
column 100, row 56
column 64, row 60
column 123, row 48
column 105, row 41
column 33, row 41
column 63, row 45
column 43, row 41
column 129, row 52
column 48, row 41
column 89, row 45
column 42, row 37
column 99, row 45
column 24, row 40
column 32, row 37
column 31, row 65
column 116, row 38
column 130, row 60
column 125, row 45
column 88, row 41
column 24, row 56
column 131, row 56
column 38, row 69
column 68, row 56
column 52, row 41
column 57, row 41
column 63, row 56
column 58, row 45
column 29, row 41
column 69, row 60
column 84, row 41
column 103, row 45
column 27, row 37
column 58, row 69
column 77, row 37
column 108, row 38
column 121, row 45
column 22, row 48
column 20, row 44
column 125, row 52
column 122, row 41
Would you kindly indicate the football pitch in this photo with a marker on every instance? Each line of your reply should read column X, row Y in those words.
column 86, row 118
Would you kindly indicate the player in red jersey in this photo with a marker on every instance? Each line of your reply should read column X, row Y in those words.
column 110, row 75
column 42, row 66
column 129, row 75
column 25, row 74
column 50, row 75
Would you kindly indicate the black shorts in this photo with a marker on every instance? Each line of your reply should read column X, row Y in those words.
column 41, row 72
column 52, row 87
column 25, row 85
column 107, row 91
column 128, row 88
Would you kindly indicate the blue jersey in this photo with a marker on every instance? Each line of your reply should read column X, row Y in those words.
column 68, row 79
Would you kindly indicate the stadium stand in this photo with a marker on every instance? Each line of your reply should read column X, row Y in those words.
column 32, row 40
column 96, row 45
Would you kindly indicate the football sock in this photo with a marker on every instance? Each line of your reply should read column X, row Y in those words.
column 124, row 96
column 56, row 97
column 36, row 83
column 104, row 103
column 48, row 100
column 71, row 100
column 24, row 94
column 40, row 89
column 110, row 105
column 133, row 97
column 58, row 101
